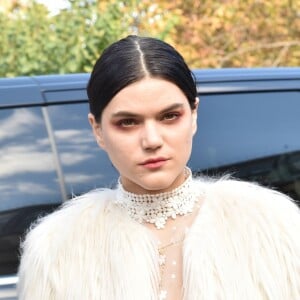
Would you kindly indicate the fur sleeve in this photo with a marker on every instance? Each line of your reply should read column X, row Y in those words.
column 269, row 224
column 245, row 244
column 39, row 270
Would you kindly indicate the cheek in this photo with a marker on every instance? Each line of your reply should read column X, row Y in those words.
column 119, row 149
column 185, row 140
column 183, row 134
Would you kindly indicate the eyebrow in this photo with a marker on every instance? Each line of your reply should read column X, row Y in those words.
column 127, row 114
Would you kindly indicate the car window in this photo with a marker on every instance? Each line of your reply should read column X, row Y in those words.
column 255, row 136
column 85, row 166
column 29, row 187
column 27, row 171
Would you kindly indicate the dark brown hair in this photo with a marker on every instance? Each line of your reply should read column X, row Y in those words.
column 132, row 59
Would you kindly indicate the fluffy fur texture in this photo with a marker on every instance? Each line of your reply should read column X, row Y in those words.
column 244, row 244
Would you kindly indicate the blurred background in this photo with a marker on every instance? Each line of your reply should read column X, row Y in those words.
column 67, row 36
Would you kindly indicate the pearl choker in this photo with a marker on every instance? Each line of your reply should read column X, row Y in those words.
column 157, row 208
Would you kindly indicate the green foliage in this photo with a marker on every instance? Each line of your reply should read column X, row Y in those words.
column 33, row 42
column 209, row 33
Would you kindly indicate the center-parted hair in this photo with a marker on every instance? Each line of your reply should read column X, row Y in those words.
column 132, row 59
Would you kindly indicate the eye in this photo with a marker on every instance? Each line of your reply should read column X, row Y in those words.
column 126, row 122
column 171, row 116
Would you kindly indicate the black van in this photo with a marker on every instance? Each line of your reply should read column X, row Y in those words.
column 248, row 126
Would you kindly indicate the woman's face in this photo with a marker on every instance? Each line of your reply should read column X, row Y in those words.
column 147, row 131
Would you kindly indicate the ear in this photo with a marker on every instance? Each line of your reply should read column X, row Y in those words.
column 97, row 131
column 194, row 115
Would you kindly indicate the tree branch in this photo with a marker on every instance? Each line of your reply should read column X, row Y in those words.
column 286, row 44
column 281, row 54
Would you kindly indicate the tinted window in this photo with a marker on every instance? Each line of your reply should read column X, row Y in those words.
column 29, row 185
column 85, row 165
column 27, row 172
column 255, row 136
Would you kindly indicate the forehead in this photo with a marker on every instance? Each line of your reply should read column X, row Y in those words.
column 146, row 96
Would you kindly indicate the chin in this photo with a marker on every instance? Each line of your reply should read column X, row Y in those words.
column 156, row 182
column 156, row 188
column 158, row 185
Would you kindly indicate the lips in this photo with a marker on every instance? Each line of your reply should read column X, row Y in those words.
column 154, row 163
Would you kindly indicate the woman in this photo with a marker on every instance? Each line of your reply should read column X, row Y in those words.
column 160, row 234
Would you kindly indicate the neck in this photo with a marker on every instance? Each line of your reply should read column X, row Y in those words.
column 134, row 188
column 157, row 208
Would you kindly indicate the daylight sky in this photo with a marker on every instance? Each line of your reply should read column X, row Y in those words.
column 54, row 6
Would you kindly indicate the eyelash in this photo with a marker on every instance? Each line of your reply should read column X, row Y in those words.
column 124, row 123
column 173, row 115
column 168, row 117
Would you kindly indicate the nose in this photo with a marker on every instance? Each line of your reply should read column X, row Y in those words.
column 151, row 137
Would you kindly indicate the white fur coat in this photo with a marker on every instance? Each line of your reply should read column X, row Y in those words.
column 244, row 244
